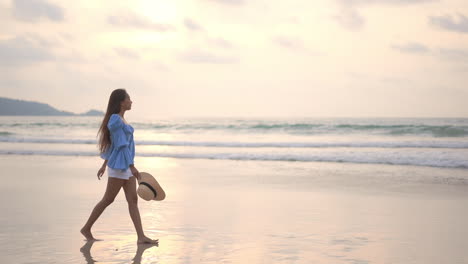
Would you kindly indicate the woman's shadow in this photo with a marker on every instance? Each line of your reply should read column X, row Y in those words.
column 86, row 250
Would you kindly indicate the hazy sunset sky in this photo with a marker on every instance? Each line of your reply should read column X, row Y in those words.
column 321, row 58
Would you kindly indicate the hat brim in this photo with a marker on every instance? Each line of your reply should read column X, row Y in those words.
column 148, row 181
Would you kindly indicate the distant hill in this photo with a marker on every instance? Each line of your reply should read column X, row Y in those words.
column 19, row 107
column 93, row 112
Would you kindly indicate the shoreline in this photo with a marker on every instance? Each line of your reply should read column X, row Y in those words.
column 301, row 176
column 236, row 212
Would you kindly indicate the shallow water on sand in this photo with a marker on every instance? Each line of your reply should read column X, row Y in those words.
column 236, row 212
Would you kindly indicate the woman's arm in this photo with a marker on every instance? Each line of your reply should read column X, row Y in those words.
column 134, row 171
column 102, row 170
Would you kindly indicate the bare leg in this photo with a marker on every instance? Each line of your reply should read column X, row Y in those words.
column 132, row 199
column 112, row 189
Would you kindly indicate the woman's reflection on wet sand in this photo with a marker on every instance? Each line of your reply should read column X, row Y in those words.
column 86, row 250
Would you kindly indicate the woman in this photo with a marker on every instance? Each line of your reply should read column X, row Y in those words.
column 118, row 151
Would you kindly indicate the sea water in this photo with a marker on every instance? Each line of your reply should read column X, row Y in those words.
column 242, row 191
column 431, row 142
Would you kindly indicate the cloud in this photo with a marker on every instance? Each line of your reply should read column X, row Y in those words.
column 159, row 66
column 395, row 80
column 229, row 2
column 350, row 18
column 192, row 25
column 22, row 51
column 295, row 44
column 411, row 47
column 454, row 54
column 197, row 56
column 33, row 10
column 127, row 53
column 388, row 2
column 448, row 22
column 288, row 42
column 221, row 43
column 131, row 20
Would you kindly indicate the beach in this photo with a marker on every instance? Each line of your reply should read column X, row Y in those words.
column 282, row 132
column 235, row 211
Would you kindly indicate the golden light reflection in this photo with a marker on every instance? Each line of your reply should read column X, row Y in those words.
column 103, row 247
column 153, row 164
column 147, row 134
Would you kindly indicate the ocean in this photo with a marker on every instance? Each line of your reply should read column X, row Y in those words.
column 429, row 142
column 241, row 190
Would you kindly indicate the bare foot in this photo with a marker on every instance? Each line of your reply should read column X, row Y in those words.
column 147, row 240
column 87, row 234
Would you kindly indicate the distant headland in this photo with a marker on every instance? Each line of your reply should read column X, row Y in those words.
column 14, row 107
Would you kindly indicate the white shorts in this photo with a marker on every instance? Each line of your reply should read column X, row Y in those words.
column 119, row 174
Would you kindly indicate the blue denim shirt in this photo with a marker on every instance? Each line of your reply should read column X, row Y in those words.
column 121, row 152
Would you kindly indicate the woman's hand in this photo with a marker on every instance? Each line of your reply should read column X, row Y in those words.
column 101, row 172
column 135, row 172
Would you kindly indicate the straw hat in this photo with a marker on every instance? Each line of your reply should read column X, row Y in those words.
column 149, row 189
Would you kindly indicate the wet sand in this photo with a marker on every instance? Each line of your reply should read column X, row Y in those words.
column 236, row 212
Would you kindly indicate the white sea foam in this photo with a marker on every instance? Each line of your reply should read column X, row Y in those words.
column 420, row 142
column 355, row 144
column 448, row 159
column 436, row 127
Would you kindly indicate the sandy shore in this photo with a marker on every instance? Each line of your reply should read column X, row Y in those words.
column 237, row 212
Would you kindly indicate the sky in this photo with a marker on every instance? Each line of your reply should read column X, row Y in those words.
column 239, row 58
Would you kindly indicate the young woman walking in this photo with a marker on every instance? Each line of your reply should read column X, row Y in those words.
column 118, row 151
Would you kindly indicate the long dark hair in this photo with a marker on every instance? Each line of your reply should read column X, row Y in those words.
column 113, row 107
